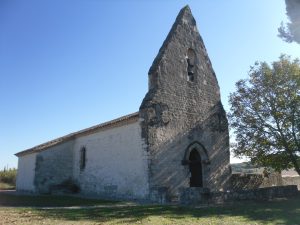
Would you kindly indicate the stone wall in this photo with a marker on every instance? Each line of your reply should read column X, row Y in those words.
column 252, row 181
column 53, row 166
column 116, row 163
column 26, row 173
column 179, row 112
column 291, row 181
column 259, row 194
column 194, row 196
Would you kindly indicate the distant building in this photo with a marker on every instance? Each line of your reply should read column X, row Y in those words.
column 178, row 138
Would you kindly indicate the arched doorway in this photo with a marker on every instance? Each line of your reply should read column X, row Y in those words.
column 195, row 167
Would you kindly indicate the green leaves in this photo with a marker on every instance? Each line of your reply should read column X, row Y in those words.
column 265, row 114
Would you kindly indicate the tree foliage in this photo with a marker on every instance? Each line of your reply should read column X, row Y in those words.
column 291, row 31
column 265, row 114
column 8, row 176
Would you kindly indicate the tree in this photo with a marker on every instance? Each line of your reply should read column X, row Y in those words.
column 265, row 114
column 291, row 31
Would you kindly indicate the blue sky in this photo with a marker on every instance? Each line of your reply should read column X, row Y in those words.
column 67, row 65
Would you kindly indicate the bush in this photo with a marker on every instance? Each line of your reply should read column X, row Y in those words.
column 8, row 176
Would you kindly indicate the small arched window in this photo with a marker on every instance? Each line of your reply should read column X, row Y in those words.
column 191, row 58
column 82, row 158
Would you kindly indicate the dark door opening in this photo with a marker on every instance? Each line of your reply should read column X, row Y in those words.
column 195, row 169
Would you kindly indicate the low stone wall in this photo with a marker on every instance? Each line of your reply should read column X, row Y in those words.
column 253, row 181
column 194, row 196
column 159, row 195
column 267, row 193
column 291, row 181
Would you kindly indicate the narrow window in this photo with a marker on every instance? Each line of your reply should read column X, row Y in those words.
column 82, row 158
column 191, row 58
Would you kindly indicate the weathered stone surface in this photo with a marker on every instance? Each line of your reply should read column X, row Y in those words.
column 116, row 163
column 196, row 196
column 253, row 181
column 148, row 155
column 291, row 181
column 26, row 173
column 179, row 111
column 53, row 167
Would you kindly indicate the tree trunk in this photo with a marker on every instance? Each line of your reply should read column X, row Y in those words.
column 294, row 161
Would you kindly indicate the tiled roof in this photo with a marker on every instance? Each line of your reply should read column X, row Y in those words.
column 116, row 122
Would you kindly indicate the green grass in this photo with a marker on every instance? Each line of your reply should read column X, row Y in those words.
column 8, row 179
column 274, row 212
column 7, row 199
column 8, row 175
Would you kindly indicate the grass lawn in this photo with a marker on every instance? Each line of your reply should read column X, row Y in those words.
column 11, row 200
column 274, row 212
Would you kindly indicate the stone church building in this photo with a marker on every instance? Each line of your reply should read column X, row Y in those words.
column 178, row 139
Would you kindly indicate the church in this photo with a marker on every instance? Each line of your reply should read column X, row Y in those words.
column 177, row 140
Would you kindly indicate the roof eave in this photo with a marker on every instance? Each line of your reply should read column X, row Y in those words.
column 106, row 125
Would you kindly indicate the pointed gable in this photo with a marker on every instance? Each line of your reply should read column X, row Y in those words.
column 173, row 55
column 184, row 16
column 183, row 107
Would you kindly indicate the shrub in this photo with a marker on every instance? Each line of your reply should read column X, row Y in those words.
column 8, row 176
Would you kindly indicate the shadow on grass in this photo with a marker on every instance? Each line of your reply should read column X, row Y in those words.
column 280, row 211
column 11, row 199
column 277, row 211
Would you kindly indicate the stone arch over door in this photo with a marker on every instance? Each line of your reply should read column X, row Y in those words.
column 197, row 161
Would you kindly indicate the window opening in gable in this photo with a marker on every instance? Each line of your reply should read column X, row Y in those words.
column 191, row 58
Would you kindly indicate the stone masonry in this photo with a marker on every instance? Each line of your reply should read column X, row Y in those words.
column 181, row 113
column 178, row 139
